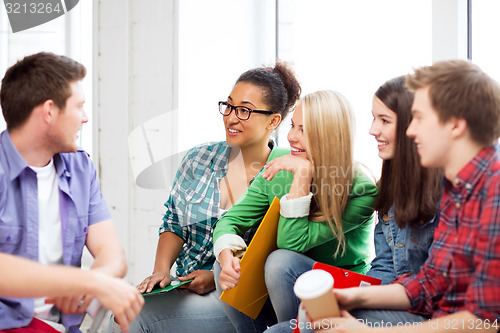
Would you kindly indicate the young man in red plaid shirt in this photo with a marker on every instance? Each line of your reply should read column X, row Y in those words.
column 456, row 125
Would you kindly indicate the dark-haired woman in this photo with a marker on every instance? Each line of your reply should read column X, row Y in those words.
column 408, row 193
column 209, row 181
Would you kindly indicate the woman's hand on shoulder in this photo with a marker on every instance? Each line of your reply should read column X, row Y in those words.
column 298, row 166
column 161, row 278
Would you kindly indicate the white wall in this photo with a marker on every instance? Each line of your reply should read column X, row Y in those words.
column 449, row 29
column 335, row 45
column 134, row 81
column 136, row 67
column 218, row 40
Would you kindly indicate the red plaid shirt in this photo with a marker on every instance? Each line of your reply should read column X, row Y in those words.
column 463, row 270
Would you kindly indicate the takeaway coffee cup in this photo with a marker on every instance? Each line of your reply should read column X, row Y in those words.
column 315, row 290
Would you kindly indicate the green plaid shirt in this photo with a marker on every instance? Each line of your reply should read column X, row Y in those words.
column 193, row 205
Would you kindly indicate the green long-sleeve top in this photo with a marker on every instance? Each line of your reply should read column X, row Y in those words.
column 314, row 239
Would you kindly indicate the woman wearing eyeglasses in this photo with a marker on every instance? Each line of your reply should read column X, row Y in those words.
column 209, row 181
column 326, row 206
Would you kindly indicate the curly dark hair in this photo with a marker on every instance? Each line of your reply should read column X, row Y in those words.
column 280, row 87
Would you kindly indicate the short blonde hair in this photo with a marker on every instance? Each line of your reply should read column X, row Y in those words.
column 328, row 128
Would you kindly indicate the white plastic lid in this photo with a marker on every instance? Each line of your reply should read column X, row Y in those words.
column 312, row 284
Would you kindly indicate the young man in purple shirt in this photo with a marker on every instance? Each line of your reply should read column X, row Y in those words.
column 50, row 202
column 456, row 125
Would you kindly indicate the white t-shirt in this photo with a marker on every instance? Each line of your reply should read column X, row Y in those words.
column 50, row 249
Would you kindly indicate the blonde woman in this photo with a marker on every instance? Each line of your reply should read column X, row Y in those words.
column 326, row 207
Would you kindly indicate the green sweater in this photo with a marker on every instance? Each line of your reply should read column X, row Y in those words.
column 314, row 239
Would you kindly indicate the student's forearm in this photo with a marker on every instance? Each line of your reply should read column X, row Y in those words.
column 112, row 265
column 299, row 188
column 301, row 183
column 111, row 260
column 390, row 297
column 167, row 251
column 18, row 280
column 225, row 256
column 104, row 245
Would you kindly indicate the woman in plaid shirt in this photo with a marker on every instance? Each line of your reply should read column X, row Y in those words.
column 210, row 179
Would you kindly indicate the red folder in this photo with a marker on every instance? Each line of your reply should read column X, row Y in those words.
column 344, row 278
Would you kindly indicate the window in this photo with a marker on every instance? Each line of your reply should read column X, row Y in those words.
column 214, row 49
column 353, row 47
column 485, row 33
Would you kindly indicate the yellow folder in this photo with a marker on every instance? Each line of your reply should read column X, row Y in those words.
column 250, row 293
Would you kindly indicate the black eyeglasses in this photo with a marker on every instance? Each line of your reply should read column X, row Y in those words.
column 241, row 112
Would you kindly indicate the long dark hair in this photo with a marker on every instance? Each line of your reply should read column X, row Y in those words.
column 412, row 189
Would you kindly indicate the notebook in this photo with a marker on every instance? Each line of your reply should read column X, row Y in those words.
column 174, row 284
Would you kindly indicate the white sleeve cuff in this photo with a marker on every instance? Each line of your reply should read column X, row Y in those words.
column 295, row 208
column 230, row 241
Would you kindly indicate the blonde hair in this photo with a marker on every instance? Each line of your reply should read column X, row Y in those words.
column 329, row 132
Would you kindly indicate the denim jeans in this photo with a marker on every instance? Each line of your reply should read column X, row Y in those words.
column 241, row 321
column 389, row 317
column 181, row 310
column 290, row 326
column 282, row 269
